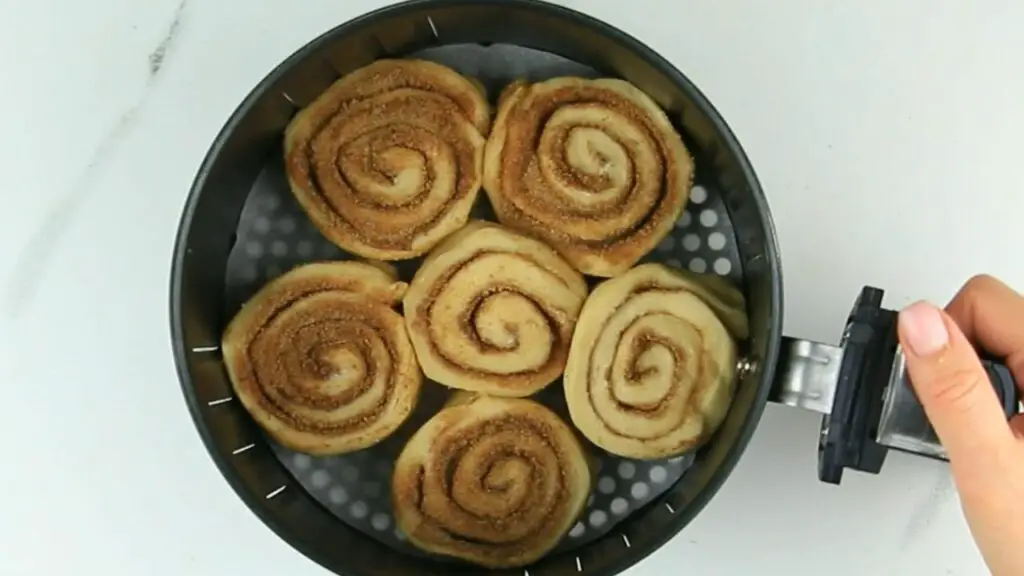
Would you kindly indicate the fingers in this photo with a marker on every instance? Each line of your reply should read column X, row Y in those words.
column 953, row 388
column 992, row 314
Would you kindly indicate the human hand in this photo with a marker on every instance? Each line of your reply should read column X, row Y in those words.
column 986, row 453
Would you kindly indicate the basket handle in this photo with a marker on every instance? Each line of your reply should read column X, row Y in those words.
column 862, row 390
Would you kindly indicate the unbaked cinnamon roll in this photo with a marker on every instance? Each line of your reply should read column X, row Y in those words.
column 593, row 167
column 651, row 366
column 388, row 160
column 493, row 311
column 321, row 359
column 493, row 481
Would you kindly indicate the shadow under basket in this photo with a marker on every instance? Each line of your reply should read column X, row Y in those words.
column 242, row 227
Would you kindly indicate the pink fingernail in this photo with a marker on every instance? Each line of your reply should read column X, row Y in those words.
column 923, row 330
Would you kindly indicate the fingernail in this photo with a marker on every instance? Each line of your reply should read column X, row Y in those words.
column 923, row 329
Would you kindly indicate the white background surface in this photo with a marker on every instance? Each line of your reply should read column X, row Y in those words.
column 886, row 134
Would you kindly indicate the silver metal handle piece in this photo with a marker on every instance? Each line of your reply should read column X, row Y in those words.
column 903, row 424
column 807, row 375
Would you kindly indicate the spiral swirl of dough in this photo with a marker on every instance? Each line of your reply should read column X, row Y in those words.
column 492, row 311
column 593, row 167
column 388, row 161
column 493, row 481
column 321, row 360
column 651, row 366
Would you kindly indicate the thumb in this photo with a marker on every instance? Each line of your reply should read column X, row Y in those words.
column 953, row 388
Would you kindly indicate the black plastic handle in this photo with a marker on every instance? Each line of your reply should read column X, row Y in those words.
column 1004, row 384
column 874, row 398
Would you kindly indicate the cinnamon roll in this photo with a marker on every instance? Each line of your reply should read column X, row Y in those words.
column 492, row 311
column 388, row 160
column 493, row 481
column 651, row 366
column 321, row 360
column 593, row 167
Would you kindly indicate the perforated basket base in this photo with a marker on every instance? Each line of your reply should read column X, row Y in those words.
column 274, row 235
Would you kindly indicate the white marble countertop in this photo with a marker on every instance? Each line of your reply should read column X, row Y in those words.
column 885, row 134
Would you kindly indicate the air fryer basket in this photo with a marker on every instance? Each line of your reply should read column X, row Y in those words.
column 241, row 227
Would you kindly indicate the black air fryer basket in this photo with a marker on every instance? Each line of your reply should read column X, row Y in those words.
column 241, row 227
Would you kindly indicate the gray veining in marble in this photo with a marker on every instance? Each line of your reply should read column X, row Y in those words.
column 156, row 57
column 35, row 257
